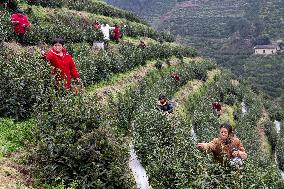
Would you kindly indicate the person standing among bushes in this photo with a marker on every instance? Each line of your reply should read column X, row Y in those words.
column 96, row 25
column 116, row 33
column 105, row 30
column 63, row 66
column 217, row 108
column 226, row 147
column 20, row 25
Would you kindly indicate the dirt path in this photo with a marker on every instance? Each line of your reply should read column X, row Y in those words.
column 133, row 78
column 265, row 147
column 182, row 95
column 13, row 176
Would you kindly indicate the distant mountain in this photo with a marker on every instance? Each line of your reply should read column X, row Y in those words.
column 218, row 18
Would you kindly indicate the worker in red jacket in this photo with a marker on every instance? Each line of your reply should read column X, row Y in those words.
column 63, row 66
column 217, row 108
column 20, row 25
column 116, row 33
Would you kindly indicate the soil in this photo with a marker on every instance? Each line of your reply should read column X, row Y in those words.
column 14, row 175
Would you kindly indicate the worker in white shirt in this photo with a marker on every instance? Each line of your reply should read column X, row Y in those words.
column 105, row 28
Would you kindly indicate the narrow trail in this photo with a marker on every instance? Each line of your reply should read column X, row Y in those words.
column 131, row 79
column 264, row 145
column 277, row 125
column 244, row 108
column 12, row 175
column 138, row 170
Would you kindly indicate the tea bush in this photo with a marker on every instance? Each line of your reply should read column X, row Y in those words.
column 81, row 144
column 75, row 27
column 24, row 78
column 271, row 134
column 5, row 26
column 129, row 103
column 280, row 147
column 171, row 160
column 92, row 6
column 97, row 67
column 75, row 144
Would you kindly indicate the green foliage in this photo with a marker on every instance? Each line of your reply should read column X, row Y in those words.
column 97, row 67
column 280, row 148
column 159, row 64
column 276, row 112
column 160, row 138
column 245, row 129
column 81, row 144
column 96, row 7
column 77, row 27
column 5, row 26
column 74, row 27
column 99, row 36
column 226, row 30
column 14, row 135
column 266, row 73
column 76, row 144
column 262, row 40
column 24, row 79
column 230, row 99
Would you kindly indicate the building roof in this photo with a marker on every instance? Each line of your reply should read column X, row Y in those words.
column 266, row 47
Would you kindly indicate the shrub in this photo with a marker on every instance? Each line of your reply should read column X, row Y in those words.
column 230, row 99
column 97, row 67
column 5, row 26
column 24, row 79
column 75, row 143
column 159, row 64
column 96, row 7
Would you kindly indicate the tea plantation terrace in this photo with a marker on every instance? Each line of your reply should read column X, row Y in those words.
column 51, row 140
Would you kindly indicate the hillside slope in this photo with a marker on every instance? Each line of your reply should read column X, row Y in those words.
column 63, row 139
column 226, row 30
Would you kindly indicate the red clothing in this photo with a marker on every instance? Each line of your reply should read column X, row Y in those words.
column 175, row 77
column 97, row 26
column 65, row 64
column 23, row 23
column 216, row 106
column 116, row 33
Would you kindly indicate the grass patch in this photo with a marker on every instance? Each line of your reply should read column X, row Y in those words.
column 14, row 135
column 228, row 115
column 115, row 78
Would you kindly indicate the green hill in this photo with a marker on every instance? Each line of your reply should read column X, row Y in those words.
column 59, row 139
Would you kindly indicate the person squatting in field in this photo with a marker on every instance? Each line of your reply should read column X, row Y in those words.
column 164, row 105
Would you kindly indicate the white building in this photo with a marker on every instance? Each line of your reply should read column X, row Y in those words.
column 266, row 49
